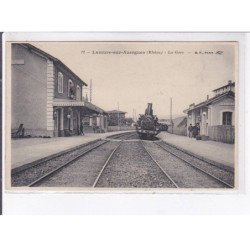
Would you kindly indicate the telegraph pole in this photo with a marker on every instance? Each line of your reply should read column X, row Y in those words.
column 90, row 91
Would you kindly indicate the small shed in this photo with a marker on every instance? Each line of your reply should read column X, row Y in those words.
column 180, row 125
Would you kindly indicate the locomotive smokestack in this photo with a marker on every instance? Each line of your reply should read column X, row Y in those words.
column 149, row 110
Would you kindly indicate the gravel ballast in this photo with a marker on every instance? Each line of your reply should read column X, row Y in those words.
column 132, row 167
column 27, row 176
column 82, row 172
column 222, row 174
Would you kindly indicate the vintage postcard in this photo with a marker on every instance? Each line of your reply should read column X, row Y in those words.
column 96, row 115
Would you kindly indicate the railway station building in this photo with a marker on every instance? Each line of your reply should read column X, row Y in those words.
column 47, row 96
column 216, row 115
column 116, row 117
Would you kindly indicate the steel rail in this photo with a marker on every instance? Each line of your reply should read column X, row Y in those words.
column 126, row 136
column 42, row 178
column 54, row 156
column 117, row 136
column 190, row 164
column 122, row 136
column 130, row 135
column 223, row 167
column 105, row 164
column 168, row 176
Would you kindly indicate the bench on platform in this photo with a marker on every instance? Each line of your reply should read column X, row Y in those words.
column 19, row 133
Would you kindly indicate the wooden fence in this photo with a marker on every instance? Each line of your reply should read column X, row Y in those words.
column 179, row 130
column 222, row 133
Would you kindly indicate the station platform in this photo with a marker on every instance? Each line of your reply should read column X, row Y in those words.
column 215, row 152
column 25, row 151
column 28, row 150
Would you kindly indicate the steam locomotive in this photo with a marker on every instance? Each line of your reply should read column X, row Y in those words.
column 147, row 125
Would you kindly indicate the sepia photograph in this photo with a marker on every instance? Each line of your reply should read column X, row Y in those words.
column 121, row 115
column 124, row 123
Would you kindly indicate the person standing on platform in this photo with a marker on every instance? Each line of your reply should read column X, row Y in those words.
column 198, row 128
column 81, row 129
column 195, row 131
column 190, row 131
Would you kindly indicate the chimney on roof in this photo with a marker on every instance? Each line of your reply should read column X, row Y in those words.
column 207, row 97
column 231, row 85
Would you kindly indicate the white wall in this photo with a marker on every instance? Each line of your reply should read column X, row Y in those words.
column 28, row 90
column 227, row 104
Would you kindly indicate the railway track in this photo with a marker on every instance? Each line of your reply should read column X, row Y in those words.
column 122, row 136
column 44, row 177
column 58, row 163
column 221, row 175
column 119, row 162
column 28, row 175
column 160, row 167
column 131, row 166
column 95, row 179
column 105, row 164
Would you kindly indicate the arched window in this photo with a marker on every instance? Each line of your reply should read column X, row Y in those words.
column 60, row 82
column 227, row 118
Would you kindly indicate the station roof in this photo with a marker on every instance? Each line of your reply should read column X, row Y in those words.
column 67, row 103
column 211, row 100
column 180, row 121
column 52, row 58
column 230, row 83
column 116, row 111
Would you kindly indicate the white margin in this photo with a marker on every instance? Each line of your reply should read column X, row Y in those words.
column 124, row 203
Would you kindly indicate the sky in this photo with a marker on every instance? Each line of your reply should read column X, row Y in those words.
column 136, row 73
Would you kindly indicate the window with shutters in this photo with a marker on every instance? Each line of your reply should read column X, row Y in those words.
column 78, row 93
column 70, row 89
column 60, row 82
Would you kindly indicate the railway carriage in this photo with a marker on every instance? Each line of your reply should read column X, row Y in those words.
column 164, row 127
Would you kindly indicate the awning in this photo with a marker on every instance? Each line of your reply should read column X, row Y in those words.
column 68, row 104
column 88, row 105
